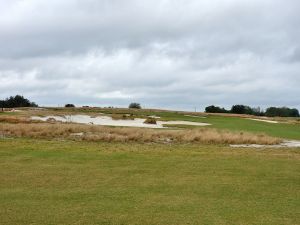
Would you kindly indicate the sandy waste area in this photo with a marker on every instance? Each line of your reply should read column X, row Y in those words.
column 108, row 121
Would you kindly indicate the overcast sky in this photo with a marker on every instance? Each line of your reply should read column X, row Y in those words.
column 176, row 54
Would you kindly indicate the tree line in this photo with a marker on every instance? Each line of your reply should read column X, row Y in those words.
column 20, row 101
column 244, row 109
column 16, row 101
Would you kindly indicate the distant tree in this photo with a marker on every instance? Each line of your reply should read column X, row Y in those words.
column 134, row 105
column 244, row 109
column 257, row 111
column 215, row 109
column 272, row 111
column 16, row 101
column 69, row 105
column 2, row 105
column 282, row 112
column 241, row 109
column 294, row 113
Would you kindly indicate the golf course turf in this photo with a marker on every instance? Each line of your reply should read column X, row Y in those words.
column 71, row 182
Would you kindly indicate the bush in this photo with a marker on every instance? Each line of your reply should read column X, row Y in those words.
column 135, row 105
column 150, row 120
column 70, row 105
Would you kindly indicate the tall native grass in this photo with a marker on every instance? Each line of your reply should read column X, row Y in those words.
column 123, row 134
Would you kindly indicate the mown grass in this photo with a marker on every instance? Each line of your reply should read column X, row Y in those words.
column 282, row 130
column 65, row 182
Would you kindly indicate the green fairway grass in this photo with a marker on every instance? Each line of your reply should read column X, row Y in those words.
column 65, row 182
column 282, row 130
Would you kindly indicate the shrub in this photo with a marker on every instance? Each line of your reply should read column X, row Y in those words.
column 150, row 120
column 135, row 105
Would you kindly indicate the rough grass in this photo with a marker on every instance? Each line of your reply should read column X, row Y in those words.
column 65, row 182
column 15, row 119
column 122, row 134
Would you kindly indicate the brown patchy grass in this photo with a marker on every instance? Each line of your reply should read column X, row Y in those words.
column 15, row 119
column 123, row 134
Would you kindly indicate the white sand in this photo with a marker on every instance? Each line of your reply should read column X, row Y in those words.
column 108, row 121
column 183, row 123
column 155, row 117
column 267, row 121
column 284, row 144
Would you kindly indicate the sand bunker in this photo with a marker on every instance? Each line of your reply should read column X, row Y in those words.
column 155, row 117
column 108, row 121
column 267, row 121
column 284, row 144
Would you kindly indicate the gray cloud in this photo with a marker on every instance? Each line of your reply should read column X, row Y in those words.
column 172, row 53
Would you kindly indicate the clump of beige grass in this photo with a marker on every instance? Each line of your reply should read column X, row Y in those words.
column 150, row 120
column 122, row 134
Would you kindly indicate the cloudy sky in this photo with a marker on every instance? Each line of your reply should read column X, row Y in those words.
column 176, row 54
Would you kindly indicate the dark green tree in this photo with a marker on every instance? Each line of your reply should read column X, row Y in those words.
column 282, row 112
column 69, row 105
column 16, row 101
column 241, row 109
column 134, row 105
column 215, row 109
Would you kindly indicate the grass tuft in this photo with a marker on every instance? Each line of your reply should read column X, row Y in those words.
column 150, row 120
